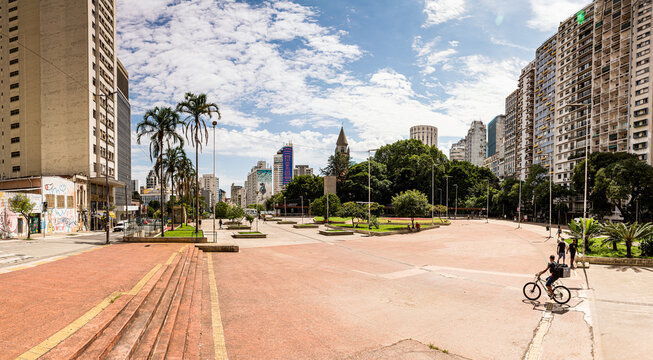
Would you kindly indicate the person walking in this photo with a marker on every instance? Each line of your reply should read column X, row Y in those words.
column 572, row 252
column 559, row 233
column 220, row 223
column 562, row 248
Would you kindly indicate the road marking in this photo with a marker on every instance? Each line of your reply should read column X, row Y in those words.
column 47, row 260
column 49, row 343
column 535, row 349
column 219, row 346
column 404, row 273
column 498, row 273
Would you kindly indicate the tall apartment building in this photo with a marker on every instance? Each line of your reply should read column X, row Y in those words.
column 458, row 150
column 641, row 126
column 525, row 120
column 283, row 167
column 544, row 122
column 425, row 133
column 511, row 142
column 573, row 86
column 151, row 180
column 210, row 183
column 123, row 196
column 302, row 170
column 236, row 195
column 476, row 143
column 53, row 121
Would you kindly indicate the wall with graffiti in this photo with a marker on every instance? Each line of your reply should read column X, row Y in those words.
column 61, row 215
column 9, row 220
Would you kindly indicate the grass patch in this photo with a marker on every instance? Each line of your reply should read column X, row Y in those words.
column 332, row 218
column 249, row 232
column 598, row 249
column 436, row 220
column 304, row 225
column 184, row 231
column 382, row 227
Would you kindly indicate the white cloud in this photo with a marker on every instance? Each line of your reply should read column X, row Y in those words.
column 454, row 43
column 503, row 42
column 440, row 11
column 547, row 15
column 428, row 56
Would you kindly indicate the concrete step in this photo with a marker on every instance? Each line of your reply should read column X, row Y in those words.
column 206, row 346
column 192, row 340
column 161, row 347
column 131, row 338
column 145, row 347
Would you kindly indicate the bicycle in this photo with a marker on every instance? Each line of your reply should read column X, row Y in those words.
column 532, row 291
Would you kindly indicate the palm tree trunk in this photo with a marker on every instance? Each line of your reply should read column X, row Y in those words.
column 161, row 178
column 614, row 245
column 628, row 249
column 197, row 188
column 172, row 209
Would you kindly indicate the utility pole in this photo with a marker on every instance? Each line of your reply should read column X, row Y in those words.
column 217, row 190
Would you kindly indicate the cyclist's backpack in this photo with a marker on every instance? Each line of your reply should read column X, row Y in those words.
column 562, row 271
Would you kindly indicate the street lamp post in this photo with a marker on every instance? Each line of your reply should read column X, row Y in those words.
column 285, row 208
column 519, row 207
column 587, row 148
column 487, row 209
column 455, row 214
column 218, row 190
column 106, row 163
column 432, row 189
column 447, row 177
column 302, row 199
column 440, row 195
column 550, row 199
column 369, row 188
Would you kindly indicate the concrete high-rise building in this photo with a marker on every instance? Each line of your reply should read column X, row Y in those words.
column 525, row 121
column 54, row 122
column 259, row 184
column 457, row 150
column 302, row 170
column 151, row 180
column 136, row 185
column 236, row 195
column 283, row 167
column 212, row 184
column 641, row 77
column 476, row 143
column 574, row 85
column 124, row 141
column 425, row 133
column 544, row 122
column 511, row 133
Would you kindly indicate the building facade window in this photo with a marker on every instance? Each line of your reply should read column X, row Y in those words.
column 15, row 169
column 15, row 140
column 15, row 154
column 15, row 125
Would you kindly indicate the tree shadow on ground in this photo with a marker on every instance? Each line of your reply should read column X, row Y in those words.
column 636, row 269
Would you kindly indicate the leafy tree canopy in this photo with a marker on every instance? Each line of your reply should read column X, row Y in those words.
column 411, row 203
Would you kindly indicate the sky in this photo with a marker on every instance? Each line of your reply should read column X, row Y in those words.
column 296, row 71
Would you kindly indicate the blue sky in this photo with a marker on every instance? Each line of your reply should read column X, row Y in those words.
column 295, row 71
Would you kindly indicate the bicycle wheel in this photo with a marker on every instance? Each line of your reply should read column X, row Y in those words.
column 532, row 291
column 561, row 294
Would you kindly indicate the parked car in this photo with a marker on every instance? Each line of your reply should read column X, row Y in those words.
column 120, row 226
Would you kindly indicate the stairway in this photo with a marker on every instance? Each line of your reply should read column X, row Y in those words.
column 165, row 319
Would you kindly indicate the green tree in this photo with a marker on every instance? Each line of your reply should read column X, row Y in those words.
column 439, row 209
column 249, row 218
column 172, row 162
column 411, row 203
column 235, row 212
column 592, row 228
column 308, row 186
column 354, row 187
column 352, row 210
column 626, row 233
column 337, row 165
column 160, row 124
column 21, row 204
column 221, row 210
column 319, row 206
column 197, row 107
column 623, row 185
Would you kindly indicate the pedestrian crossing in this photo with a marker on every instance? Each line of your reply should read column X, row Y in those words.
column 8, row 258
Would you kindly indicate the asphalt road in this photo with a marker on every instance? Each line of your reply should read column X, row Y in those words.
column 18, row 252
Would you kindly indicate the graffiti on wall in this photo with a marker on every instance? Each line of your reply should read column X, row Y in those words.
column 62, row 217
column 9, row 219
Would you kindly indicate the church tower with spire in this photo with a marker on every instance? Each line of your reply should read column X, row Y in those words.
column 342, row 146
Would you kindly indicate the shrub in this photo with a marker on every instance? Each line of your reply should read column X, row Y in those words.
column 647, row 247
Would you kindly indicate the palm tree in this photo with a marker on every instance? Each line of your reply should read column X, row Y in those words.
column 592, row 228
column 626, row 233
column 172, row 161
column 196, row 107
column 160, row 124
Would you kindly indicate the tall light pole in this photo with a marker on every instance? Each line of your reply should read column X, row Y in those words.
column 302, row 199
column 487, row 209
column 587, row 143
column 432, row 189
column 106, row 163
column 519, row 206
column 447, row 177
column 550, row 197
column 369, row 188
column 440, row 195
column 455, row 214
column 218, row 190
column 327, row 213
column 285, row 207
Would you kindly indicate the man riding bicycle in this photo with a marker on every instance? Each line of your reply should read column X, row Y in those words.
column 551, row 278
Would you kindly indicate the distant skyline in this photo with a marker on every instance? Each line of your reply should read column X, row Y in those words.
column 285, row 71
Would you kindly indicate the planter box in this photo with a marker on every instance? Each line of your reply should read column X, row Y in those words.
column 217, row 248
column 231, row 223
column 249, row 236
column 133, row 239
column 385, row 233
column 306, row 226
column 616, row 261
column 238, row 227
column 286, row 222
column 336, row 233
column 274, row 219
